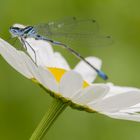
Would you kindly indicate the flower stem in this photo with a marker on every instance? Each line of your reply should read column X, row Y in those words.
column 55, row 109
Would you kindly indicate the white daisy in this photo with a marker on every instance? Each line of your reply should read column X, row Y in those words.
column 74, row 87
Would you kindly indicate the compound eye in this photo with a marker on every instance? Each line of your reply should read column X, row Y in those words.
column 14, row 30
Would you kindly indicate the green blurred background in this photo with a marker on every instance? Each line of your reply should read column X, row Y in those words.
column 22, row 103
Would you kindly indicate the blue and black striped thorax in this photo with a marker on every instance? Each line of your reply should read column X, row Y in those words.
column 28, row 31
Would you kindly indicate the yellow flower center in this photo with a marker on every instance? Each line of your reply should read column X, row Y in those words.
column 58, row 73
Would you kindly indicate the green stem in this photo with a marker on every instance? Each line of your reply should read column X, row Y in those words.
column 55, row 109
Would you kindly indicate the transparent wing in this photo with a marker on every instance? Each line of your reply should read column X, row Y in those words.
column 86, row 30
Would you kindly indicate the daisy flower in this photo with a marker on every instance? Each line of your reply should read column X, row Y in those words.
column 53, row 73
column 68, row 86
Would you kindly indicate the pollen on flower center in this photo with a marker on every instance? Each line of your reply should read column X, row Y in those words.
column 58, row 73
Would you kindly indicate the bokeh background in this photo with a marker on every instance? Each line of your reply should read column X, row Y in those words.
column 22, row 103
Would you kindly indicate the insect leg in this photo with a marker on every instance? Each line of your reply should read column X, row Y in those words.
column 24, row 43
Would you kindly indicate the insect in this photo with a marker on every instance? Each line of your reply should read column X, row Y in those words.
column 69, row 28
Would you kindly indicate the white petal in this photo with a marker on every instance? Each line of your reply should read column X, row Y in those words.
column 135, row 108
column 118, row 89
column 60, row 61
column 42, row 75
column 91, row 94
column 124, row 116
column 70, row 83
column 87, row 72
column 41, row 52
column 15, row 58
column 47, row 79
column 23, row 64
column 118, row 102
column 44, row 54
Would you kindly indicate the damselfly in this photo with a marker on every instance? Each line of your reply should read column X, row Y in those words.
column 86, row 30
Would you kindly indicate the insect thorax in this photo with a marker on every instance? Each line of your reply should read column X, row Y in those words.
column 29, row 31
